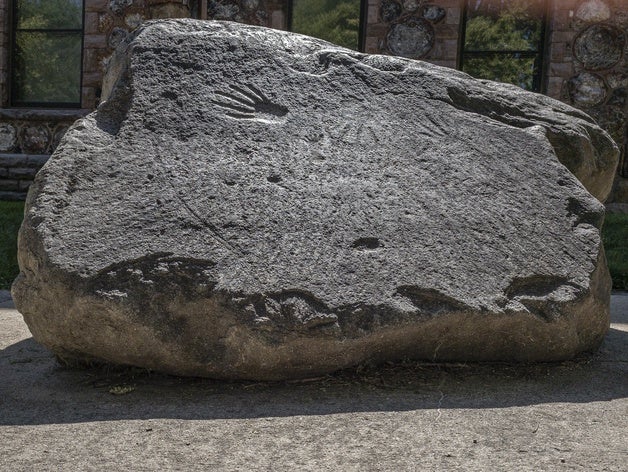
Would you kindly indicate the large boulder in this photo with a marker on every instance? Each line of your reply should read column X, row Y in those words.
column 250, row 203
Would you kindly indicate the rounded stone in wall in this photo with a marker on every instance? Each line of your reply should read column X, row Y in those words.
column 34, row 139
column 413, row 38
column 57, row 135
column 116, row 36
column 599, row 46
column 105, row 23
column 389, row 10
column 133, row 20
column 587, row 90
column 118, row 6
column 412, row 5
column 218, row 10
column 593, row 11
column 250, row 5
column 434, row 13
column 8, row 137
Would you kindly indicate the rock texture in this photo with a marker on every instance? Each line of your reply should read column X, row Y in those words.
column 250, row 203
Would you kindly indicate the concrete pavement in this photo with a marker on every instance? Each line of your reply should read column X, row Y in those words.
column 563, row 416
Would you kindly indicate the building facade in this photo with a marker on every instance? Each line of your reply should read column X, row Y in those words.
column 52, row 61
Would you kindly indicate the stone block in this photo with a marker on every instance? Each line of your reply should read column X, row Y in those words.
column 278, row 19
column 13, row 160
column 36, row 161
column 92, row 79
column 562, row 36
column 24, row 184
column 561, row 69
column 12, row 196
column 454, row 16
column 9, row 185
column 22, row 173
column 94, row 41
column 96, row 5
column 90, row 25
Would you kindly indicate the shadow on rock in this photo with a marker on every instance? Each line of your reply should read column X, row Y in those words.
column 37, row 390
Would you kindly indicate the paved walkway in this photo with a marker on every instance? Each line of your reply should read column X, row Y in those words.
column 567, row 416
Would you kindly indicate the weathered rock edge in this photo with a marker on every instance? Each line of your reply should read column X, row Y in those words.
column 91, row 315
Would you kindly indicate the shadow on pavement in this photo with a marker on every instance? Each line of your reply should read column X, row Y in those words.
column 37, row 390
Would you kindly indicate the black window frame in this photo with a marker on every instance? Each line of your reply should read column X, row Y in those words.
column 13, row 101
column 361, row 28
column 539, row 84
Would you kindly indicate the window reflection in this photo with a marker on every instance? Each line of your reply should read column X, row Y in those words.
column 47, row 39
column 336, row 21
column 503, row 41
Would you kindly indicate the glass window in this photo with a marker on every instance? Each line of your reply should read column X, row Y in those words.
column 336, row 21
column 46, row 53
column 503, row 41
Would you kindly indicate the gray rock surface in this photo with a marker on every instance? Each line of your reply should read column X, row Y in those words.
column 250, row 203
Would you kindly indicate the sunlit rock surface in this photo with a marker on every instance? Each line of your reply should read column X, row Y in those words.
column 251, row 203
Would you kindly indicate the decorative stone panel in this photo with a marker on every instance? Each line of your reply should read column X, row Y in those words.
column 8, row 137
column 599, row 46
column 418, row 29
column 269, row 13
column 413, row 38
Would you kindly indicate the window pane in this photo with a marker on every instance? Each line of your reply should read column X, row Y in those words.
column 503, row 25
column 49, row 14
column 503, row 68
column 47, row 67
column 336, row 21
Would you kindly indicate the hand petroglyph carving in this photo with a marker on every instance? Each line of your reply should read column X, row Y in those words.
column 249, row 103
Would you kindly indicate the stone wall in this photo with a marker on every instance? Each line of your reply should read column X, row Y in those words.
column 588, row 54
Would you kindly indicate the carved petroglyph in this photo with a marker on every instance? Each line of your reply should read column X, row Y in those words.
column 431, row 127
column 323, row 141
column 250, row 103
